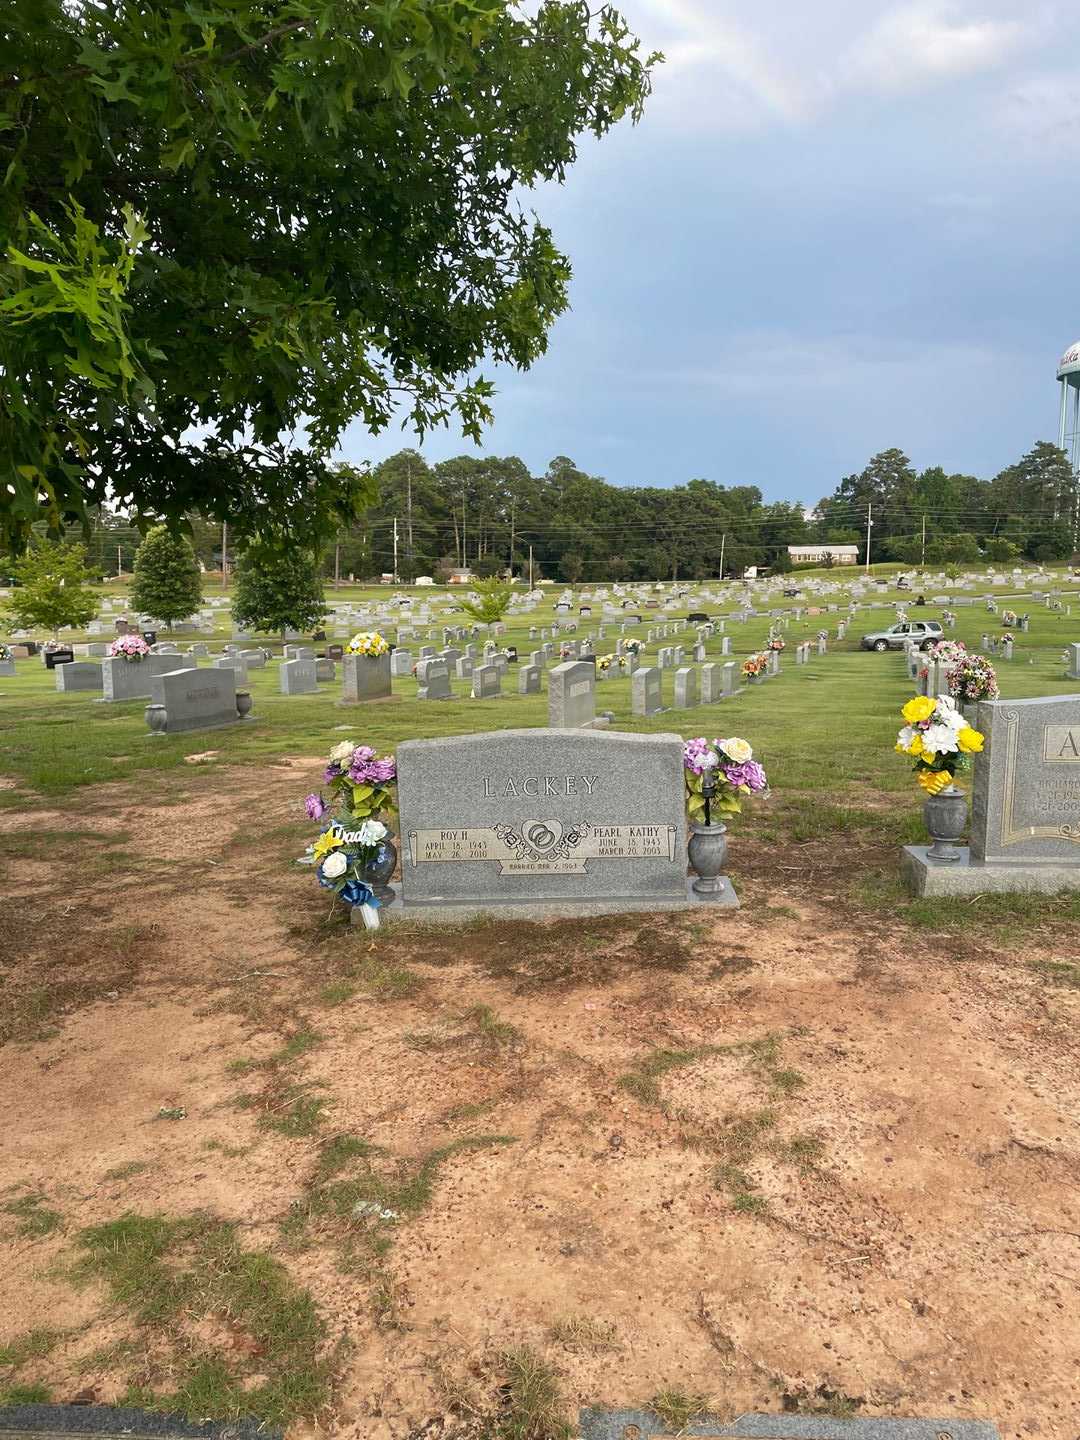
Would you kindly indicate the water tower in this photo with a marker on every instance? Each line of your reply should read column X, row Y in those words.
column 1068, row 374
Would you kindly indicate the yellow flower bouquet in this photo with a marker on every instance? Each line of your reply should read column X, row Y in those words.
column 367, row 642
column 938, row 740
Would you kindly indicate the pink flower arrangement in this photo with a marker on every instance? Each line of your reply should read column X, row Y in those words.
column 129, row 647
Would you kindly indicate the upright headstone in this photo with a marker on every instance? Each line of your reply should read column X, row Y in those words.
column 486, row 682
column 235, row 663
column 78, row 675
column 324, row 670
column 297, row 677
column 710, row 683
column 1025, row 812
column 572, row 695
column 529, row 680
column 687, row 693
column 189, row 699
column 365, row 677
column 433, row 680
column 542, row 820
column 645, row 691
column 1072, row 665
column 730, row 685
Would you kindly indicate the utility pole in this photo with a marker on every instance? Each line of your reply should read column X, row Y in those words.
column 408, row 509
column 119, row 562
column 510, row 565
column 464, row 540
column 224, row 553
column 723, row 543
column 337, row 563
column 530, row 568
column 869, row 524
column 922, row 562
column 395, row 549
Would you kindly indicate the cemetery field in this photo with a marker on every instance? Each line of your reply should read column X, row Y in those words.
column 820, row 1154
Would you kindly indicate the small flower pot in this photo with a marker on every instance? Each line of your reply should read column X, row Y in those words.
column 243, row 703
column 707, row 852
column 945, row 815
column 156, row 718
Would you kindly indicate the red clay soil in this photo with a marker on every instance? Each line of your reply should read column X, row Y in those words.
column 909, row 1236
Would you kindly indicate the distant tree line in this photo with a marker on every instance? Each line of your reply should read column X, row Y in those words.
column 486, row 514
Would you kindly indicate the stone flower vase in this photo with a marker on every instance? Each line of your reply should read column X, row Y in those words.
column 243, row 703
column 707, row 851
column 945, row 815
column 156, row 718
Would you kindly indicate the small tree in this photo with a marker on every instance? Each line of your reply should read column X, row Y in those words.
column 492, row 601
column 276, row 592
column 51, row 591
column 166, row 582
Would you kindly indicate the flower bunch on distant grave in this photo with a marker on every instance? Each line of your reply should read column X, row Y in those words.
column 938, row 739
column 129, row 647
column 5, row 652
column 945, row 652
column 362, row 787
column 776, row 643
column 755, row 665
column 823, row 635
column 367, row 642
column 633, row 646
column 605, row 663
column 717, row 773
column 565, row 652
column 971, row 677
column 1009, row 618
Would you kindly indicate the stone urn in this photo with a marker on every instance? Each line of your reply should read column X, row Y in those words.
column 156, row 718
column 243, row 703
column 707, row 851
column 945, row 815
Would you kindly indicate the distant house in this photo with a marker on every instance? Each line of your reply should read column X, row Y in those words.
column 424, row 580
column 460, row 577
column 815, row 554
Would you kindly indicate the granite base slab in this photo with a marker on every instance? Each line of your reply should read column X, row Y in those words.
column 597, row 1424
column 193, row 729
column 114, row 1422
column 399, row 910
column 928, row 878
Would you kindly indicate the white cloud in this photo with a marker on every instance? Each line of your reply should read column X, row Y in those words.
column 734, row 65
column 924, row 42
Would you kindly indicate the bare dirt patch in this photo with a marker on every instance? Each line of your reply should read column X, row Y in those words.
column 798, row 1156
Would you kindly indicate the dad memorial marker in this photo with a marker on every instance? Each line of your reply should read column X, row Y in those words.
column 542, row 822
column 1025, row 821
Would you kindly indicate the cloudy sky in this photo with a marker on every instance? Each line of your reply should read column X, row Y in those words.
column 842, row 226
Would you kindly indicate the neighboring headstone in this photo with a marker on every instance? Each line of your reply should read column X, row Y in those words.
column 710, row 683
column 1025, row 814
column 542, row 821
column 192, row 700
column 325, row 670
column 233, row 663
column 645, row 691
column 486, row 682
column 529, row 680
column 132, row 679
column 297, row 677
column 7, row 669
column 572, row 696
column 78, row 675
column 433, row 680
column 687, row 693
column 62, row 656
column 1072, row 663
column 401, row 662
column 366, row 677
